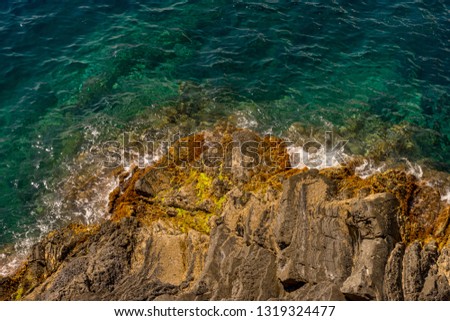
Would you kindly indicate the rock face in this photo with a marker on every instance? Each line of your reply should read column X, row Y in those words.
column 262, row 232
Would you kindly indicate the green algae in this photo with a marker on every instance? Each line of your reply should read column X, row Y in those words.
column 204, row 184
column 18, row 295
column 196, row 220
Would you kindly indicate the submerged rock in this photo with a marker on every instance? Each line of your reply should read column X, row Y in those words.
column 214, row 222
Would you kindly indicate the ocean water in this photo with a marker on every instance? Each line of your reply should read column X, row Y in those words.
column 76, row 74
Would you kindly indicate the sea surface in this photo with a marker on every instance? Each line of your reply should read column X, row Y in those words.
column 77, row 74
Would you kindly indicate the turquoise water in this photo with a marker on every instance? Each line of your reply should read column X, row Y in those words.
column 74, row 74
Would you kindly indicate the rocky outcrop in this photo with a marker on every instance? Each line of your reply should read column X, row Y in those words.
column 247, row 228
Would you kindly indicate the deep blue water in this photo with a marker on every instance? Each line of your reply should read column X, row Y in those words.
column 76, row 73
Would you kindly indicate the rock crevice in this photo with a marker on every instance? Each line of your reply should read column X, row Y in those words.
column 261, row 232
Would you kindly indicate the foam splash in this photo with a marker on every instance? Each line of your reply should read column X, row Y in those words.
column 369, row 168
column 318, row 158
column 62, row 206
column 80, row 195
column 244, row 120
column 414, row 169
column 446, row 197
column 15, row 256
column 8, row 266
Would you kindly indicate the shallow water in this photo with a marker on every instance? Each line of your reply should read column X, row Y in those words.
column 75, row 74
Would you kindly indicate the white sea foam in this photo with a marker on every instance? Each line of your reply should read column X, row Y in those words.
column 244, row 120
column 414, row 169
column 9, row 265
column 318, row 158
column 369, row 168
column 81, row 195
column 9, row 262
column 446, row 197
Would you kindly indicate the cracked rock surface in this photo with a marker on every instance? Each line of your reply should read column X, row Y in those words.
column 248, row 233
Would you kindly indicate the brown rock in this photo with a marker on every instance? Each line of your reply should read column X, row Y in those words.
column 263, row 232
column 393, row 290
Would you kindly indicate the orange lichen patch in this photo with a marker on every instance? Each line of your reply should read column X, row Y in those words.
column 122, row 199
column 275, row 153
column 276, row 180
column 340, row 173
column 420, row 217
column 262, row 159
column 125, row 201
column 186, row 150
column 294, row 171
column 187, row 181
column 186, row 190
column 272, row 167
column 425, row 206
column 396, row 182
column 75, row 229
column 441, row 228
